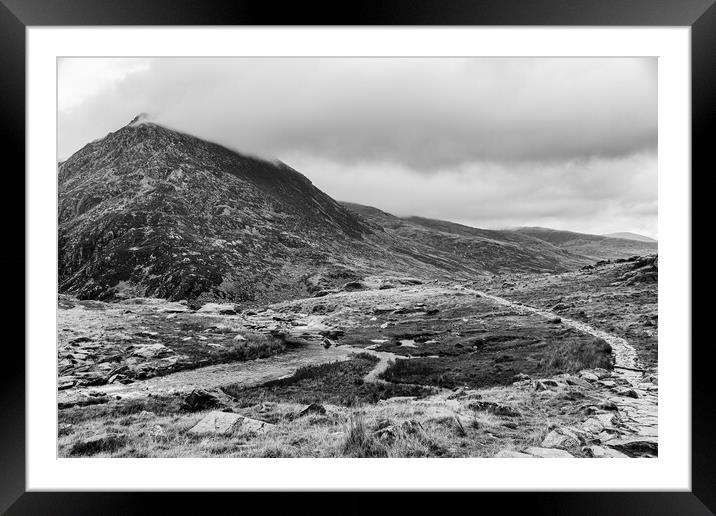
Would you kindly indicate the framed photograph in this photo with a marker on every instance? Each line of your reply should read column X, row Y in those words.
column 291, row 250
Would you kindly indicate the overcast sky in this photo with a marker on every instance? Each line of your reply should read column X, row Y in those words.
column 489, row 142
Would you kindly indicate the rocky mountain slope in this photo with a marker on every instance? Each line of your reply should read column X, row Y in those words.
column 149, row 211
column 596, row 247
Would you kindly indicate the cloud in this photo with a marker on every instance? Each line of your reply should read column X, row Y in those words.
column 513, row 139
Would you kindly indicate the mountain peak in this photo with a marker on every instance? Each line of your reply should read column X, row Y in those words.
column 141, row 118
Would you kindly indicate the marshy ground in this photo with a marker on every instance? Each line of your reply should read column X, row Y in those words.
column 386, row 367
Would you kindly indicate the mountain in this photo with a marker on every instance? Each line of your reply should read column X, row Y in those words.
column 630, row 236
column 596, row 247
column 149, row 211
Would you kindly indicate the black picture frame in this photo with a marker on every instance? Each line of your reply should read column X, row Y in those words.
column 17, row 15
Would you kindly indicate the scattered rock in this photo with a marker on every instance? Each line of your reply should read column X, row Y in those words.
column 240, row 338
column 327, row 343
column 216, row 422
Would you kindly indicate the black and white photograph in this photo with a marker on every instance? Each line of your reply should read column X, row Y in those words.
column 357, row 257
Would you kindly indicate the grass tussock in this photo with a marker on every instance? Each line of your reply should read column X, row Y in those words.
column 571, row 356
column 359, row 442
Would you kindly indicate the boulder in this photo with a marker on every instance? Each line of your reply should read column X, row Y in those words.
column 224, row 423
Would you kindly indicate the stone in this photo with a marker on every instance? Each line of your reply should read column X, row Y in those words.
column 606, row 437
column 637, row 446
column 592, row 425
column 520, row 377
column 606, row 419
column 590, row 377
column 557, row 439
column 543, row 385
column 240, row 338
column 556, row 320
column 607, row 383
column 224, row 423
column 628, row 393
column 107, row 442
column 151, row 351
column 600, row 452
column 548, row 453
column 327, row 343
column 577, row 381
column 601, row 373
column 608, row 405
column 493, row 408
column 157, row 431
column 199, row 399
column 313, row 408
column 511, row 454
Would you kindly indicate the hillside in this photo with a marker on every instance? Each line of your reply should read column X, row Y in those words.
column 149, row 211
column 463, row 247
column 595, row 247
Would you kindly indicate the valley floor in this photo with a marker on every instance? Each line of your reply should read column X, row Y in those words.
column 524, row 366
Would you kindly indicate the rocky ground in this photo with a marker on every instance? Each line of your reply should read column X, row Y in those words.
column 383, row 366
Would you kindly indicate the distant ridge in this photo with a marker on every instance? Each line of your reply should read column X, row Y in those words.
column 630, row 236
column 595, row 247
